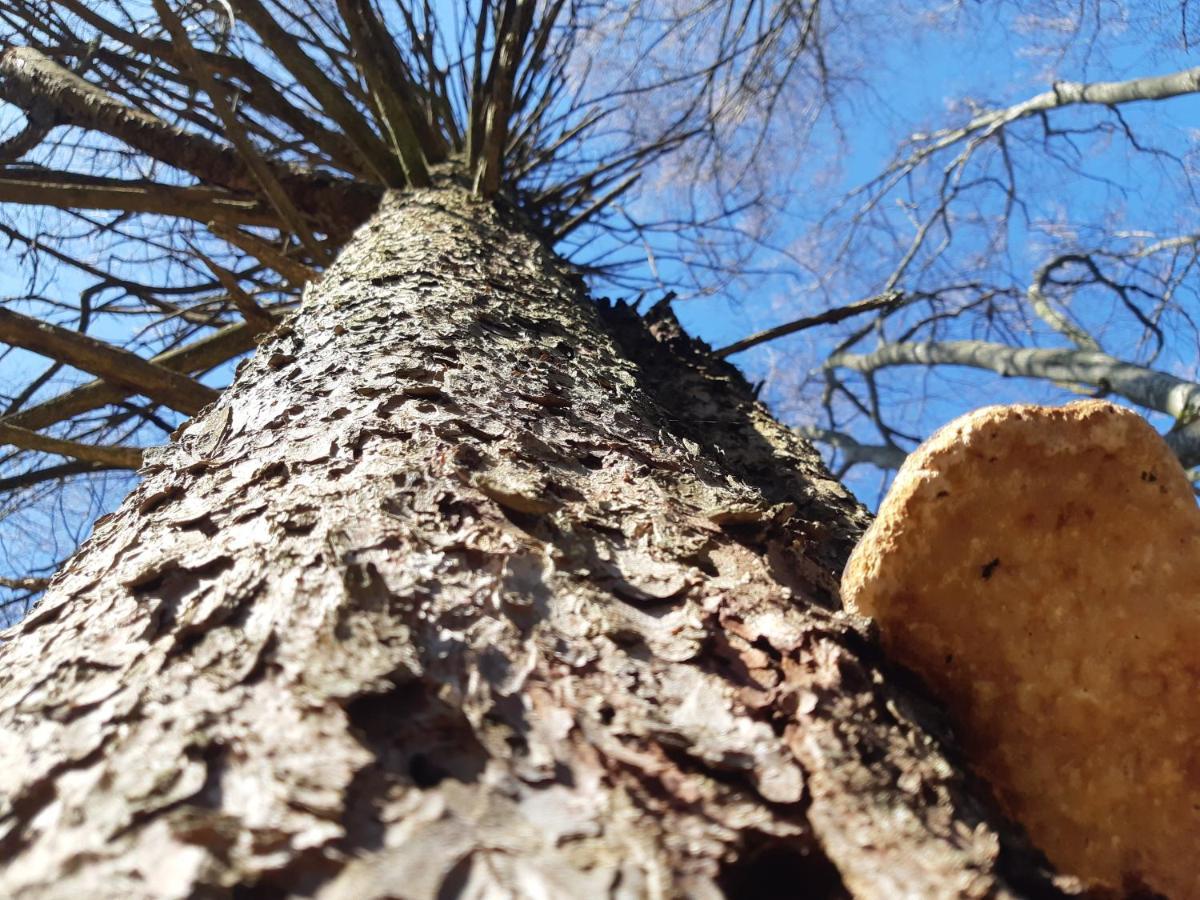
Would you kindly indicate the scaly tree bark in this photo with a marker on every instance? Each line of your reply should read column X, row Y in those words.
column 471, row 587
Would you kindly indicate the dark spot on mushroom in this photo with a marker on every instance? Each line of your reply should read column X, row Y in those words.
column 986, row 571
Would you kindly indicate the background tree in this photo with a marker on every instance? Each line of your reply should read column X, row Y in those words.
column 1045, row 236
column 466, row 584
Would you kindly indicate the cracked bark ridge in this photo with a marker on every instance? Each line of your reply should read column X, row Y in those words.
column 458, row 589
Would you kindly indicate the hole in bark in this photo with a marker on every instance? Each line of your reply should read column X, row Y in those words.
column 565, row 492
column 592, row 461
column 417, row 740
column 203, row 524
column 276, row 471
column 761, row 643
column 158, row 499
column 768, row 868
column 266, row 658
column 454, row 511
column 704, row 563
column 530, row 523
column 455, row 883
column 424, row 772
column 188, row 642
column 301, row 876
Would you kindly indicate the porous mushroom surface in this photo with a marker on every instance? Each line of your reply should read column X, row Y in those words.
column 1039, row 567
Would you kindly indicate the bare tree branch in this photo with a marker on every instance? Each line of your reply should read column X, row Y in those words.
column 24, row 584
column 511, row 35
column 29, row 77
column 113, row 364
column 199, row 356
column 1177, row 397
column 375, row 56
column 256, row 317
column 1063, row 93
column 853, row 452
column 115, row 457
column 267, row 179
column 888, row 300
column 291, row 269
column 52, row 473
column 69, row 191
column 375, row 156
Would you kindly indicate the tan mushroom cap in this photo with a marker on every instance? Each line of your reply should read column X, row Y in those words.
column 1040, row 568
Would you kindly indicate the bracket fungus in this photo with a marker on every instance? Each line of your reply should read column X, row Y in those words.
column 1040, row 568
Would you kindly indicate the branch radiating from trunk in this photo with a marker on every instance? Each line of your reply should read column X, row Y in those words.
column 118, row 457
column 516, row 20
column 114, row 365
column 373, row 152
column 29, row 78
column 396, row 109
column 198, row 356
column 293, row 270
column 259, row 90
column 265, row 177
column 66, row 190
column 51, row 473
column 887, row 301
column 24, row 584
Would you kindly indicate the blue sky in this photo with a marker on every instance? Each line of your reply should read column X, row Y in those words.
column 920, row 81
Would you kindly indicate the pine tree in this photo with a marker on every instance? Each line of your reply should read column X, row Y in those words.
column 469, row 584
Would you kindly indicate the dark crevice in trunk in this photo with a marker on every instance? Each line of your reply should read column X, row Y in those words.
column 769, row 869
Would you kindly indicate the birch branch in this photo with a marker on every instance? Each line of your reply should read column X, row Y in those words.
column 1051, row 316
column 854, row 451
column 1155, row 390
column 1063, row 93
column 1145, row 387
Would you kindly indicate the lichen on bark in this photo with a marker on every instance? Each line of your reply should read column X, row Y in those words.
column 470, row 584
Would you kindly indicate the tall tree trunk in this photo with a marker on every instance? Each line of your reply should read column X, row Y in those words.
column 469, row 586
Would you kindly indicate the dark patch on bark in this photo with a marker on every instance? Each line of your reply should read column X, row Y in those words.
column 766, row 868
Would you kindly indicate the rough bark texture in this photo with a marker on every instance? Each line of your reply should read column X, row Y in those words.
column 468, row 587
